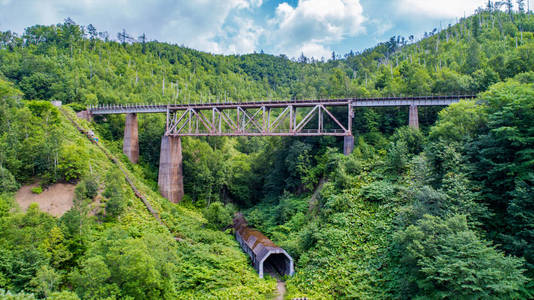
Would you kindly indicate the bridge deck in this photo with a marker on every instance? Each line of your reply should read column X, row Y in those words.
column 355, row 102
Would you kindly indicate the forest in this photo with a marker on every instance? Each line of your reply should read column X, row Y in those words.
column 443, row 212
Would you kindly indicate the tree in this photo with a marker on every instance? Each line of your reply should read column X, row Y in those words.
column 302, row 59
column 472, row 61
column 7, row 181
column 124, row 37
column 521, row 5
column 218, row 215
column 509, row 7
column 475, row 25
column 55, row 248
column 116, row 202
column 46, row 281
column 92, row 32
column 445, row 259
column 490, row 6
column 522, row 222
column 142, row 39
column 414, row 79
column 90, row 280
column 503, row 162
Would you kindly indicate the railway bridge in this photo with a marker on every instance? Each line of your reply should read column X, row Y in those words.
column 327, row 117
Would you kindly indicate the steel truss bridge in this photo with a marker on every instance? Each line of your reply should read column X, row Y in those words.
column 330, row 117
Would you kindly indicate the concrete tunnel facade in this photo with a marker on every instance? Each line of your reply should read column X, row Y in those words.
column 265, row 255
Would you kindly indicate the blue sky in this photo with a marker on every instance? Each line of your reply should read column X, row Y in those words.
column 291, row 27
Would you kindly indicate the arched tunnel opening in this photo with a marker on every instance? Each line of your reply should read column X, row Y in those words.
column 277, row 264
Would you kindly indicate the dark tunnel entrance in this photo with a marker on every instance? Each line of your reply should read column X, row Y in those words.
column 277, row 265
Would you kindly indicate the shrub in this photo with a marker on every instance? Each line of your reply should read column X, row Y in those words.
column 72, row 162
column 7, row 181
column 80, row 191
column 92, row 187
column 6, row 203
column 338, row 203
column 377, row 191
column 37, row 190
column 77, row 106
column 397, row 157
column 116, row 202
column 88, row 187
column 412, row 138
column 218, row 215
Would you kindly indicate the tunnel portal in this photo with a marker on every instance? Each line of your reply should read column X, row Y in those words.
column 266, row 257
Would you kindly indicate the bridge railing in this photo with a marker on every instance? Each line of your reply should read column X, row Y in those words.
column 356, row 102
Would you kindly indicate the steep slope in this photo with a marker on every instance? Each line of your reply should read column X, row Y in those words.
column 123, row 250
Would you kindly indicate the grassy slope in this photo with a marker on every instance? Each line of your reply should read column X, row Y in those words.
column 212, row 265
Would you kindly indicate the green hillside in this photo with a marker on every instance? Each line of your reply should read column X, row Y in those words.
column 122, row 250
column 441, row 212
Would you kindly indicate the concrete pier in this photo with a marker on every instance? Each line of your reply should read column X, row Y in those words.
column 84, row 114
column 130, row 145
column 170, row 178
column 348, row 144
column 414, row 117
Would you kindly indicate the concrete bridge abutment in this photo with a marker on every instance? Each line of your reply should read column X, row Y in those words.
column 348, row 144
column 414, row 117
column 130, row 145
column 170, row 177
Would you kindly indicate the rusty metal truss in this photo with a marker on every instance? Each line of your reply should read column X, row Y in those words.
column 331, row 117
column 294, row 119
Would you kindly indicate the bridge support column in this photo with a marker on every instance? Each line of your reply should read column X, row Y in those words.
column 414, row 117
column 130, row 145
column 84, row 114
column 170, row 178
column 348, row 144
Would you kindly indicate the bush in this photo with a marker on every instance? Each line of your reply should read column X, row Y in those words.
column 87, row 188
column 37, row 190
column 79, row 192
column 72, row 162
column 6, row 203
column 77, row 106
column 378, row 191
column 92, row 187
column 218, row 215
column 525, row 78
column 64, row 295
column 412, row 138
column 339, row 203
column 116, row 202
column 7, row 181
column 397, row 157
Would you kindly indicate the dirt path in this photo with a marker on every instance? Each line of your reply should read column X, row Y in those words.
column 281, row 290
column 55, row 200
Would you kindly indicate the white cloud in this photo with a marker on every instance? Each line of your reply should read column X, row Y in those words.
column 381, row 26
column 313, row 24
column 315, row 50
column 241, row 37
column 439, row 8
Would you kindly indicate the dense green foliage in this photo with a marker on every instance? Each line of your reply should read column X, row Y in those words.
column 115, row 249
column 442, row 212
column 422, row 230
